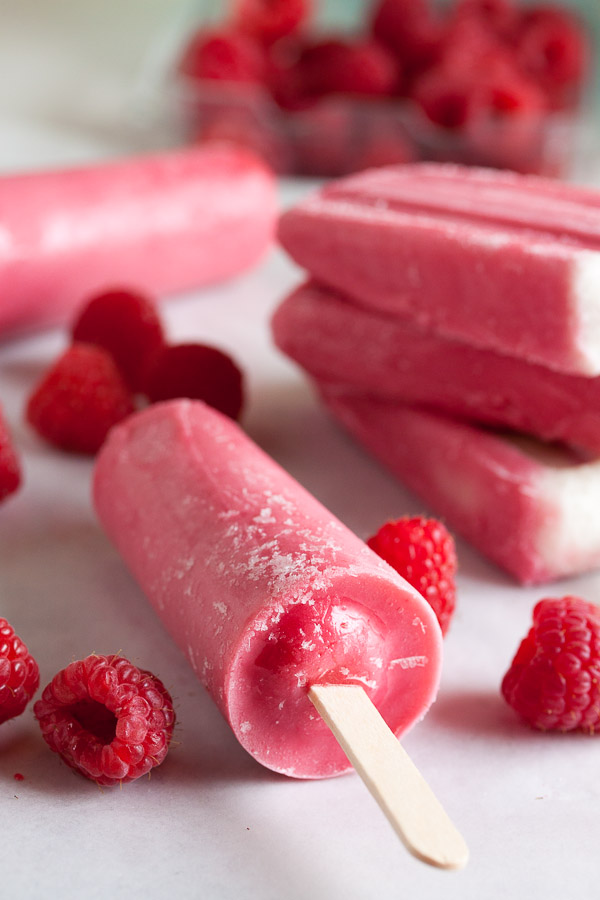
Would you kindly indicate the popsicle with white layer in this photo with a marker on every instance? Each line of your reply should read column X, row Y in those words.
column 530, row 507
column 498, row 260
column 277, row 604
column 335, row 340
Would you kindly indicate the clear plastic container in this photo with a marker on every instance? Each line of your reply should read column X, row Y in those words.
column 339, row 134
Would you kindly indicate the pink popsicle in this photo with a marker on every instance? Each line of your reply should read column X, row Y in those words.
column 162, row 223
column 336, row 340
column 530, row 507
column 263, row 589
column 499, row 260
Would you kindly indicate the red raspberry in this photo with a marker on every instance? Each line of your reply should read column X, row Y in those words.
column 450, row 101
column 197, row 372
column 223, row 56
column 125, row 324
column 269, row 20
column 423, row 552
column 554, row 679
column 336, row 67
column 10, row 469
column 107, row 719
column 411, row 29
column 500, row 16
column 79, row 399
column 19, row 673
column 553, row 50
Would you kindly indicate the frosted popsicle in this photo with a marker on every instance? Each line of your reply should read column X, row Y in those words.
column 263, row 589
column 499, row 260
column 336, row 340
column 530, row 507
column 162, row 224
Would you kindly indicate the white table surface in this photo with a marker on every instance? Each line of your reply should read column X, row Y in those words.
column 211, row 822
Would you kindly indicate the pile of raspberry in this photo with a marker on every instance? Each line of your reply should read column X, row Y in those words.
column 477, row 80
column 118, row 360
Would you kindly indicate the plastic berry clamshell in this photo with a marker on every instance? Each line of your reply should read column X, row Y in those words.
column 479, row 82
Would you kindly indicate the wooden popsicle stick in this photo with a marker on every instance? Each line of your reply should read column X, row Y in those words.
column 389, row 773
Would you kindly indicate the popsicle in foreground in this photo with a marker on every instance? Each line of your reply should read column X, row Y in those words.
column 263, row 589
column 278, row 607
column 336, row 340
column 495, row 259
column 162, row 223
column 530, row 507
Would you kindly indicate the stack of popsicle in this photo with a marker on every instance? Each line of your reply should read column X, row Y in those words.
column 452, row 325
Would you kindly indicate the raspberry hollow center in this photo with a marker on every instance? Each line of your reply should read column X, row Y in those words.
column 95, row 718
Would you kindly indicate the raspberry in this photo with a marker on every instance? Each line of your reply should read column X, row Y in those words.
column 10, row 469
column 107, row 719
column 223, row 56
column 410, row 28
column 125, row 324
column 269, row 20
column 336, row 67
column 197, row 372
column 553, row 50
column 449, row 101
column 554, row 680
column 19, row 673
column 79, row 399
column 499, row 15
column 423, row 552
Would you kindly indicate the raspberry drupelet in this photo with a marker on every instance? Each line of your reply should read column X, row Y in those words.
column 109, row 720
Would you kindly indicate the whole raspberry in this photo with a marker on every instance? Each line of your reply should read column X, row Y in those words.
column 554, row 680
column 423, row 552
column 10, row 469
column 125, row 324
column 19, row 673
column 79, row 399
column 270, row 20
column 223, row 56
column 337, row 67
column 109, row 720
column 553, row 49
column 197, row 372
column 412, row 29
column 500, row 16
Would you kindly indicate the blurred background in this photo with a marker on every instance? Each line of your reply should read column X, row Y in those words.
column 337, row 86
